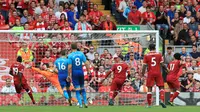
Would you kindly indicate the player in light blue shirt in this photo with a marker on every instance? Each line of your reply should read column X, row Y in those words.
column 76, row 60
column 61, row 66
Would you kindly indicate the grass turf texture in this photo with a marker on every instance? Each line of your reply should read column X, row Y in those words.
column 98, row 109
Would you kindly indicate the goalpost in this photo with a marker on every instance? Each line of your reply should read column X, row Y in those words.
column 115, row 41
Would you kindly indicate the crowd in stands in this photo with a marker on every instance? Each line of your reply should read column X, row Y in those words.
column 177, row 19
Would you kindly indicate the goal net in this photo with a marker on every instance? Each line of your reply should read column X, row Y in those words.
column 39, row 50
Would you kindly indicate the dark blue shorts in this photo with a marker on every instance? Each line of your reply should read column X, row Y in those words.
column 62, row 80
column 78, row 79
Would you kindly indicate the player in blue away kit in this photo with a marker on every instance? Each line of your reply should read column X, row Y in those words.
column 76, row 60
column 61, row 66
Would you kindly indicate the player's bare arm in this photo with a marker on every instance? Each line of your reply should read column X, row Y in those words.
column 69, row 73
column 87, row 64
column 165, row 67
column 144, row 67
column 107, row 74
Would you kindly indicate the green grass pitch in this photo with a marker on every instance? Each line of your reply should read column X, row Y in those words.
column 98, row 109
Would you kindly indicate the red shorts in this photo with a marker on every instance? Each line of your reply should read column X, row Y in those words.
column 24, row 85
column 158, row 79
column 117, row 84
column 173, row 83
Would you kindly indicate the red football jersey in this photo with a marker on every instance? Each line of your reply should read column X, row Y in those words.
column 16, row 68
column 119, row 70
column 153, row 60
column 174, row 68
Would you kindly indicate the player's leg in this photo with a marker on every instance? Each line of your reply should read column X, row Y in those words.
column 69, row 92
column 113, row 92
column 18, row 90
column 63, row 83
column 149, row 84
column 83, row 92
column 175, row 87
column 75, row 80
column 160, row 84
column 120, row 84
column 29, row 91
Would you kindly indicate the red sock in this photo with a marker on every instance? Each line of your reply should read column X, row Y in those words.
column 114, row 95
column 31, row 96
column 171, row 95
column 19, row 95
column 149, row 97
column 111, row 94
column 162, row 95
column 174, row 96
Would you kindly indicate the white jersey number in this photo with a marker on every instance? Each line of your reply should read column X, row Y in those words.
column 153, row 61
column 77, row 62
column 171, row 67
column 119, row 68
column 61, row 66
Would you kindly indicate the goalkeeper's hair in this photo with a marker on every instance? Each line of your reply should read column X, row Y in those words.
column 19, row 59
column 74, row 46
column 177, row 56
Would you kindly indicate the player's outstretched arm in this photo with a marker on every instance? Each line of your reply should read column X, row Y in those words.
column 144, row 67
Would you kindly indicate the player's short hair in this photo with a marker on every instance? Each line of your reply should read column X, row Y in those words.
column 152, row 47
column 169, row 48
column 177, row 56
column 63, row 53
column 74, row 46
column 19, row 59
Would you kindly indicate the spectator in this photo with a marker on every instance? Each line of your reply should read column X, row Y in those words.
column 148, row 16
column 187, row 19
column 17, row 26
column 96, row 61
column 85, row 12
column 182, row 11
column 195, row 54
column 170, row 15
column 26, row 36
column 31, row 22
column 188, row 61
column 127, row 88
column 24, row 18
column 95, row 16
column 193, row 40
column 190, row 82
column 183, row 80
column 183, row 36
column 108, row 24
column 175, row 20
column 8, row 88
column 46, row 59
column 177, row 29
column 137, row 82
column 138, row 3
column 72, row 15
column 52, row 99
column 142, row 9
column 128, row 9
column 198, row 17
column 13, row 18
column 193, row 68
column 54, row 53
column 168, row 56
column 105, row 87
column 33, row 88
column 135, row 17
column 197, row 33
column 193, row 25
column 82, row 5
column 105, row 53
column 90, row 54
column 2, row 20
column 132, row 62
column 50, row 18
column 62, row 20
column 196, row 76
column 40, row 25
column 52, row 89
column 161, row 20
column 32, row 7
column 184, row 52
column 190, row 7
column 122, row 6
column 25, row 53
column 60, row 12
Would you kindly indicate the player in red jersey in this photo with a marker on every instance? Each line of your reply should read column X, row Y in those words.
column 153, row 61
column 16, row 70
column 172, row 77
column 119, row 69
